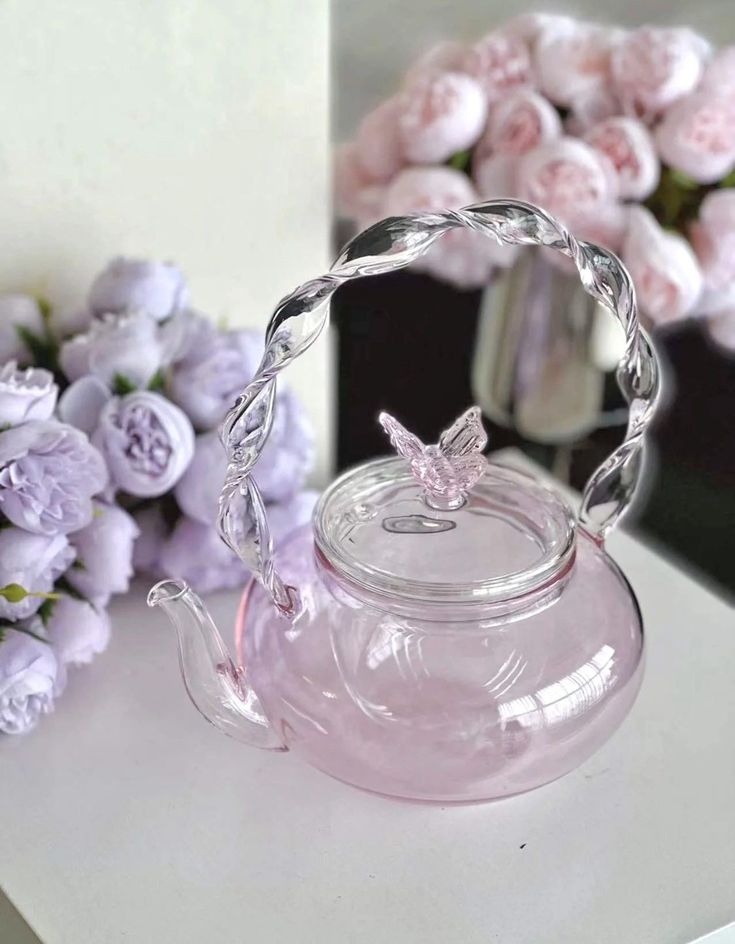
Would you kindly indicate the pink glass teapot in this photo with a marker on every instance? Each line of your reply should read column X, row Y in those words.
column 447, row 628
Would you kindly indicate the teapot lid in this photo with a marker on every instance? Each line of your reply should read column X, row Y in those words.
column 396, row 528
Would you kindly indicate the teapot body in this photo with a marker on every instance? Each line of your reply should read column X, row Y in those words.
column 423, row 706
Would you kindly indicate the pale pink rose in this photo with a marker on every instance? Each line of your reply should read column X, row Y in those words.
column 378, row 142
column 495, row 176
column 697, row 136
column 356, row 195
column 713, row 238
column 654, row 66
column 628, row 145
column 719, row 76
column 461, row 256
column 663, row 267
column 572, row 60
column 605, row 227
column 501, row 63
column 519, row 123
column 567, row 179
column 530, row 26
column 439, row 115
column 591, row 107
column 446, row 56
column 722, row 330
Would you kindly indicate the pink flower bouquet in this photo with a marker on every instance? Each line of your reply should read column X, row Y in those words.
column 110, row 463
column 626, row 136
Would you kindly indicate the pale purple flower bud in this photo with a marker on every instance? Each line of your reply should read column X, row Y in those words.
column 81, row 403
column 104, row 553
column 48, row 475
column 713, row 239
column 147, row 442
column 440, row 114
column 35, row 562
column 157, row 288
column 18, row 311
column 126, row 345
column 194, row 552
column 206, row 382
column 665, row 271
column 153, row 532
column 77, row 631
column 27, row 394
column 29, row 679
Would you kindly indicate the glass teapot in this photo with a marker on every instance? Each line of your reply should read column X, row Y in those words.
column 446, row 628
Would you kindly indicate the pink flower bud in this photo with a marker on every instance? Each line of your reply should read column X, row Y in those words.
column 519, row 123
column 663, row 267
column 627, row 144
column 495, row 176
column 530, row 26
column 378, row 141
column 697, row 136
column 356, row 195
column 722, row 330
column 654, row 66
column 591, row 107
column 440, row 115
column 566, row 178
column 719, row 76
column 447, row 56
column 713, row 238
column 462, row 257
column 572, row 60
column 501, row 63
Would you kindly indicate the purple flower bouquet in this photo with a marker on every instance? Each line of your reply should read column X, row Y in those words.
column 110, row 463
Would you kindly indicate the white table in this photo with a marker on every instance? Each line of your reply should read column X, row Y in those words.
column 126, row 818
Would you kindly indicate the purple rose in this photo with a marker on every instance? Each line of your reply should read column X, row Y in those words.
column 104, row 550
column 195, row 553
column 77, row 631
column 29, row 679
column 279, row 473
column 81, row 403
column 48, row 475
column 207, row 380
column 147, row 442
column 127, row 345
column 35, row 561
column 158, row 288
column 28, row 394
column 18, row 311
column 152, row 533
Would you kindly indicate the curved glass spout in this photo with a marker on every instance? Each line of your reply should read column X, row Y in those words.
column 217, row 687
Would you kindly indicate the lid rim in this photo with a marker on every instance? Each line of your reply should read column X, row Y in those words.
column 499, row 588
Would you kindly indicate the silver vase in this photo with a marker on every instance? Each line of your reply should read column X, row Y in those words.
column 542, row 351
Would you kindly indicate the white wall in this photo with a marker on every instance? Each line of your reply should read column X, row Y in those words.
column 194, row 130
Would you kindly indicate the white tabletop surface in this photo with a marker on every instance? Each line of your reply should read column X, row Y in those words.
column 126, row 818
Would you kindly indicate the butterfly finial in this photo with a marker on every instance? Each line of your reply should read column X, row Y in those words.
column 448, row 469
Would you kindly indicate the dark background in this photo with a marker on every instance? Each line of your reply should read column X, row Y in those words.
column 405, row 344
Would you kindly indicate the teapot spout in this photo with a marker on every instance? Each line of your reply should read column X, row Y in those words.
column 217, row 687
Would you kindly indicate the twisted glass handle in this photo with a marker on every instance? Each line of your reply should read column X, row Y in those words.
column 392, row 244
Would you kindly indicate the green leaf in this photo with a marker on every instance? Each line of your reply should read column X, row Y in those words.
column 45, row 610
column 683, row 180
column 122, row 385
column 45, row 305
column 460, row 160
column 728, row 181
column 158, row 380
column 13, row 592
column 44, row 350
